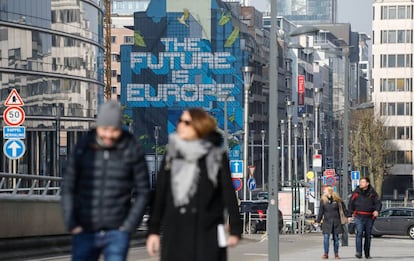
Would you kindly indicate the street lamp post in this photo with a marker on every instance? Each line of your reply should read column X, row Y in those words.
column 290, row 107
column 282, row 151
column 247, row 79
column 305, row 151
column 263, row 133
column 317, row 96
column 296, row 136
column 295, row 179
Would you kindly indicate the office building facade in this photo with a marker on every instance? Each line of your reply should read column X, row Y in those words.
column 52, row 55
column 392, row 73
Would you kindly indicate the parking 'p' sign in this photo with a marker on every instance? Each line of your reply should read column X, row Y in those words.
column 13, row 116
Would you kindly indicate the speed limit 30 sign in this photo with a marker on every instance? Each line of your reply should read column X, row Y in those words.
column 13, row 116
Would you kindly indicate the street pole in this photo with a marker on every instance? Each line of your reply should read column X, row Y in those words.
column 282, row 151
column 295, row 173
column 225, row 125
column 58, row 112
column 252, row 147
column 290, row 105
column 273, row 206
column 345, row 139
column 263, row 133
column 156, row 136
column 247, row 73
column 305, row 153
column 317, row 101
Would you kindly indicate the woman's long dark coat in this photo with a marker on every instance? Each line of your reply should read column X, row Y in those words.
column 329, row 215
column 189, row 233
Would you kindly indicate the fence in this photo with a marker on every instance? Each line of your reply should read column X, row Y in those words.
column 24, row 185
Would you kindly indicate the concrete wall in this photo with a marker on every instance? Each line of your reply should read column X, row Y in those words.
column 23, row 217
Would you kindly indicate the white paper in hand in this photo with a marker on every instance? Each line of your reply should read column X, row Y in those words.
column 221, row 236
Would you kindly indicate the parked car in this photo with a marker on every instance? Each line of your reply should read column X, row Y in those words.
column 394, row 221
column 258, row 210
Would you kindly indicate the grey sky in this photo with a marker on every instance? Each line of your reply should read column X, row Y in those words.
column 356, row 12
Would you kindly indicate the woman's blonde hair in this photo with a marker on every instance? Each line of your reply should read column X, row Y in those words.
column 202, row 122
column 330, row 191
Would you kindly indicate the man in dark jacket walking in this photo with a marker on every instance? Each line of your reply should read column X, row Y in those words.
column 105, row 189
column 364, row 206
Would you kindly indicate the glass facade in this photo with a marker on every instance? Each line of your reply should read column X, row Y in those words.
column 308, row 11
column 52, row 54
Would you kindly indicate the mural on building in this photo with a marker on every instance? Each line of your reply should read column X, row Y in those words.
column 183, row 56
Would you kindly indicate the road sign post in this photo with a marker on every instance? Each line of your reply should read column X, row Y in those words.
column 13, row 117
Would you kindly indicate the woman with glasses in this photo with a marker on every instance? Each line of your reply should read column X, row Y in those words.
column 194, row 193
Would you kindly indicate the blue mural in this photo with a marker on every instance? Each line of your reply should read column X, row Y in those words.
column 179, row 61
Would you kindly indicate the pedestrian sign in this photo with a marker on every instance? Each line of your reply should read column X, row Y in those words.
column 14, row 149
column 14, row 99
column 236, row 168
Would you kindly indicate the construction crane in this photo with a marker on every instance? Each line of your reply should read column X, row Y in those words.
column 107, row 51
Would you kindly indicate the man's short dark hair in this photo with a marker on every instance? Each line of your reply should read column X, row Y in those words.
column 366, row 179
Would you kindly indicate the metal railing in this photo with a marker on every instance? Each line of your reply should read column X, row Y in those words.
column 25, row 185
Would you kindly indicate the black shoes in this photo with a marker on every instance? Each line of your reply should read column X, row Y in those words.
column 358, row 255
column 368, row 257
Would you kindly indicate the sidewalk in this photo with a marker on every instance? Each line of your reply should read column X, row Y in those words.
column 310, row 247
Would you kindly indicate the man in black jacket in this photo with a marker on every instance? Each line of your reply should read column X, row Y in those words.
column 105, row 189
column 364, row 206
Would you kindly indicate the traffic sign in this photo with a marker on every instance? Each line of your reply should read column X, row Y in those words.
column 236, row 168
column 14, row 116
column 14, row 99
column 355, row 175
column 251, row 183
column 329, row 172
column 317, row 161
column 14, row 149
column 10, row 132
column 237, row 184
column 252, row 168
column 330, row 181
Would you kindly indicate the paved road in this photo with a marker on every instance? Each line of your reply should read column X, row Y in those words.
column 296, row 248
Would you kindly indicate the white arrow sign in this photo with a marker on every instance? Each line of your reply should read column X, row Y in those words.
column 14, row 149
column 14, row 146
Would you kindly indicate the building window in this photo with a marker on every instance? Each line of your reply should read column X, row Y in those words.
column 393, row 60
column 114, row 89
column 115, row 57
column 396, row 85
column 128, row 40
column 396, row 36
column 400, row 109
column 113, row 72
column 113, row 39
column 396, row 12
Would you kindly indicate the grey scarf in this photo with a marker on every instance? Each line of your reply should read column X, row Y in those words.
column 183, row 156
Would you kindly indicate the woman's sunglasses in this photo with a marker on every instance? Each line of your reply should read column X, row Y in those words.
column 186, row 122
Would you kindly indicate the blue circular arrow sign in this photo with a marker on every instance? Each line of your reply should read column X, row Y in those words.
column 14, row 149
column 251, row 183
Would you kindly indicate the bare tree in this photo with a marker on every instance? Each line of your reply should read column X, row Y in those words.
column 367, row 145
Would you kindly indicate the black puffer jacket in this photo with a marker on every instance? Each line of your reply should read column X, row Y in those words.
column 105, row 189
column 364, row 202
